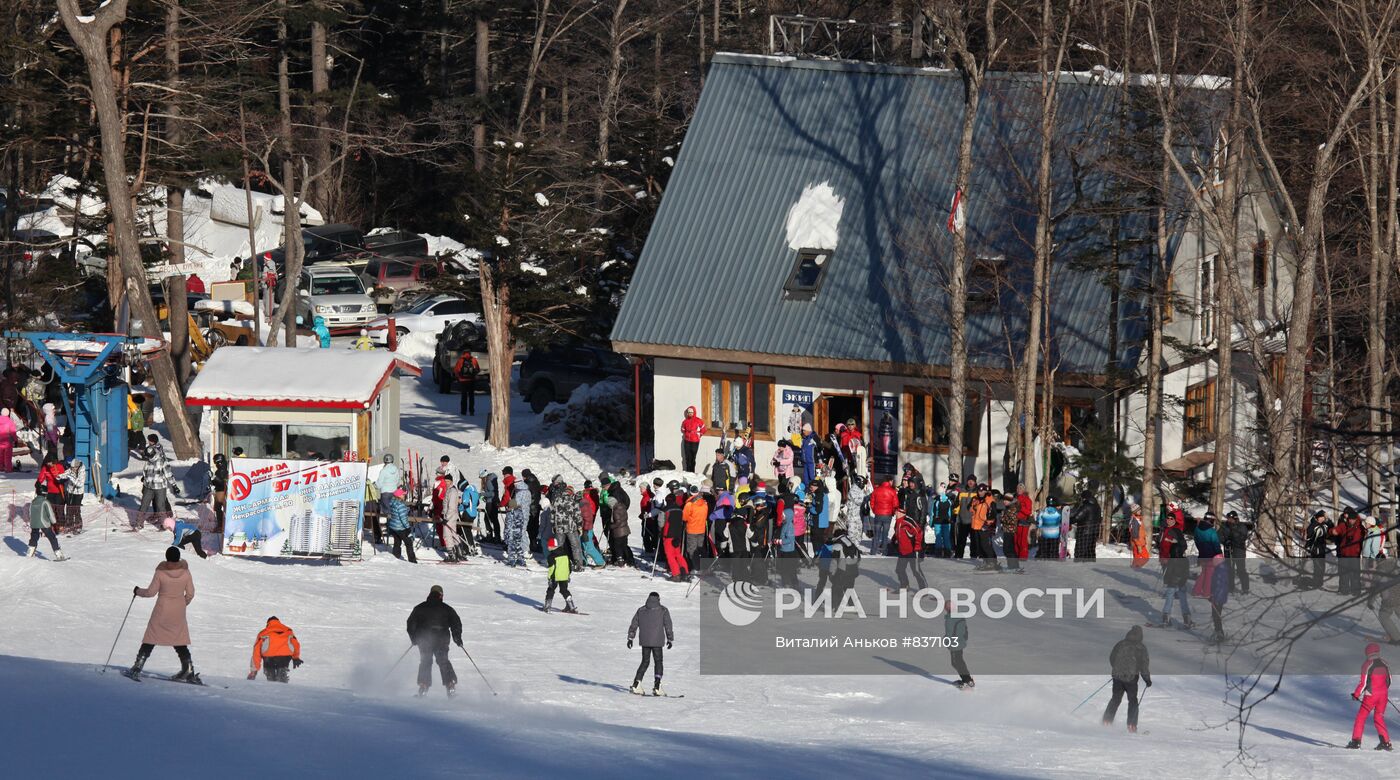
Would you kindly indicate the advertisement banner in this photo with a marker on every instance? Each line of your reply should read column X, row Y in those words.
column 282, row 508
column 884, row 435
column 797, row 408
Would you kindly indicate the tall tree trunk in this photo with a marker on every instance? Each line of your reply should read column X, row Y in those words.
column 174, row 136
column 612, row 80
column 321, row 195
column 500, row 350
column 91, row 40
column 286, row 314
column 1227, row 269
column 482, row 83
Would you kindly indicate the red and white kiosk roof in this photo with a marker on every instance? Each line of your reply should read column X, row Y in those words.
column 263, row 377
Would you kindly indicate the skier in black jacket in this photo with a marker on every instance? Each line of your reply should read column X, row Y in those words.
column 1235, row 534
column 1315, row 541
column 652, row 625
column 1128, row 661
column 429, row 627
column 1086, row 520
column 532, row 523
column 219, row 485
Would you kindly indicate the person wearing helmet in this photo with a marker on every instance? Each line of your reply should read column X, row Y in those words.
column 1372, row 692
column 1048, row 521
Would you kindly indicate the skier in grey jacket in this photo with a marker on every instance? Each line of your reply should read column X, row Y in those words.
column 652, row 625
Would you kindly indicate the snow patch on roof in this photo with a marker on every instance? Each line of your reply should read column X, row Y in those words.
column 272, row 375
column 813, row 220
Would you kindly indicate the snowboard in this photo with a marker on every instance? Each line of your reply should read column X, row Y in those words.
column 560, row 611
column 661, row 696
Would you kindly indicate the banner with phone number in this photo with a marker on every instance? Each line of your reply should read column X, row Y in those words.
column 285, row 508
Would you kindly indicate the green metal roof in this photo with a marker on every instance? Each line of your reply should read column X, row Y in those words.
column 885, row 140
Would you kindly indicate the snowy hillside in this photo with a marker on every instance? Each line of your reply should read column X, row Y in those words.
column 563, row 705
column 561, row 678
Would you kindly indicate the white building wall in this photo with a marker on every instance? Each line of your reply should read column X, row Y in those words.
column 677, row 385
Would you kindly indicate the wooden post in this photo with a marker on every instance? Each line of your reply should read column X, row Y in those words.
column 392, row 335
column 637, row 410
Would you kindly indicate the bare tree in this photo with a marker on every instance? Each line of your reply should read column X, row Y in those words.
column 90, row 35
column 952, row 22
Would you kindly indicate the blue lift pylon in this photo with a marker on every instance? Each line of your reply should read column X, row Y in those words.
column 97, row 410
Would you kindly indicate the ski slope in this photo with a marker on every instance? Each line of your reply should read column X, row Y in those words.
column 562, row 708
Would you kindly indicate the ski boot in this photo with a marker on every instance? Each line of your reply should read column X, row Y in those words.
column 135, row 671
column 637, row 687
column 1187, row 623
column 422, row 691
column 1355, row 744
column 1165, row 621
column 656, row 688
column 548, row 605
column 1132, row 729
column 186, row 673
column 569, row 607
column 59, row 556
column 966, row 685
column 33, row 551
column 1383, row 745
column 451, row 689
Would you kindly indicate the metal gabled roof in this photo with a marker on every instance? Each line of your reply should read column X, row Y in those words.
column 885, row 139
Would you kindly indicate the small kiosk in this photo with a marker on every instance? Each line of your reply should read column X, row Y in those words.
column 302, row 404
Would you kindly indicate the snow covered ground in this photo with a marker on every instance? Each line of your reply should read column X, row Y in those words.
column 562, row 708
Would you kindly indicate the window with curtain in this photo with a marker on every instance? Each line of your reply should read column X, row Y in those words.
column 724, row 398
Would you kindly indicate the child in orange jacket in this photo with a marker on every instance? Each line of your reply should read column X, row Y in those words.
column 275, row 649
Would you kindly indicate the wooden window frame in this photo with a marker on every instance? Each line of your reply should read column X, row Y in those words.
column 912, row 395
column 707, row 381
column 1195, row 435
column 1205, row 294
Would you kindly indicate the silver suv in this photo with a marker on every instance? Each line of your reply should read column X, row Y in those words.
column 336, row 295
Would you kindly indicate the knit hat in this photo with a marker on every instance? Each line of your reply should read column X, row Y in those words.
column 399, row 493
column 552, row 543
column 436, row 590
column 1373, row 650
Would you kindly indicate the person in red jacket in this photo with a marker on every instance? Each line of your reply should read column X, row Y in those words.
column 909, row 545
column 1349, row 535
column 691, row 429
column 884, row 502
column 1373, row 692
column 1025, row 518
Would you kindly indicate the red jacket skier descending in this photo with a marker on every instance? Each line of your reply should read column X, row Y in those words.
column 1372, row 691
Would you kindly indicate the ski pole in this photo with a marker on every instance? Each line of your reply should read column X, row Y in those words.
column 119, row 633
column 396, row 664
column 478, row 670
column 1090, row 696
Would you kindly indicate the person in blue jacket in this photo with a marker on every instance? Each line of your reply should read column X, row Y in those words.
column 323, row 334
column 188, row 533
column 810, row 447
column 1049, row 521
column 397, row 512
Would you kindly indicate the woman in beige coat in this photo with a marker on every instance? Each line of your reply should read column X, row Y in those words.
column 173, row 588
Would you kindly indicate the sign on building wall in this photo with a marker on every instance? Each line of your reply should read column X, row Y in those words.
column 884, row 435
column 294, row 507
column 797, row 409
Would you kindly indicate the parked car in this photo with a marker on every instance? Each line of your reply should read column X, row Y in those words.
column 336, row 294
column 428, row 315
column 552, row 374
column 401, row 273
column 463, row 336
column 348, row 245
column 35, row 246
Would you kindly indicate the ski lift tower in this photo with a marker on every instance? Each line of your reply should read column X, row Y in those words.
column 90, row 365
